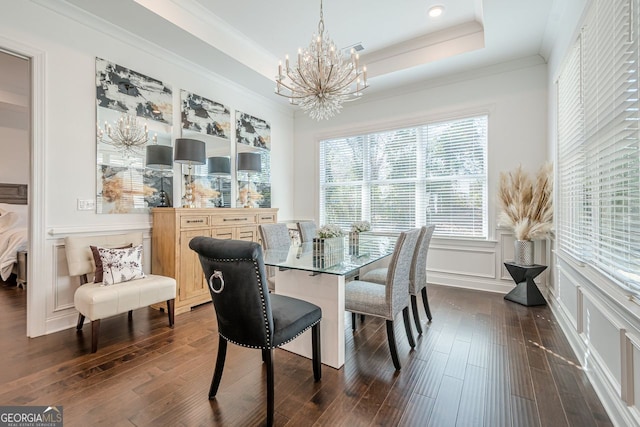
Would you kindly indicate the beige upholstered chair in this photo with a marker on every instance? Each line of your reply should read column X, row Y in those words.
column 308, row 230
column 417, row 278
column 274, row 236
column 96, row 301
column 376, row 299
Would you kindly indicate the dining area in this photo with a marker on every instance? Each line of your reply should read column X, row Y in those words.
column 360, row 272
column 363, row 273
column 278, row 294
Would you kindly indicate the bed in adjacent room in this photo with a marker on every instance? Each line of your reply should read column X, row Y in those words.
column 14, row 233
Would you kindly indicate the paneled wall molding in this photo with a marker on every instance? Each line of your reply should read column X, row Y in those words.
column 620, row 413
column 479, row 264
column 620, row 302
column 633, row 355
column 61, row 231
column 63, row 289
column 618, row 397
column 628, row 388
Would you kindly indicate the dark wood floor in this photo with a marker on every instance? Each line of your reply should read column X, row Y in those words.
column 482, row 361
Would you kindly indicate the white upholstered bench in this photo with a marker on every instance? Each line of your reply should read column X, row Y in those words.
column 96, row 301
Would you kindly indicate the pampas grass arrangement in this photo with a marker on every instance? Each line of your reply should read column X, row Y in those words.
column 527, row 205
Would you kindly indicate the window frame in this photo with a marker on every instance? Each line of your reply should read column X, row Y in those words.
column 420, row 178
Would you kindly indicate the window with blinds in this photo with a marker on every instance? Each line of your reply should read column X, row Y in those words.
column 598, row 191
column 399, row 179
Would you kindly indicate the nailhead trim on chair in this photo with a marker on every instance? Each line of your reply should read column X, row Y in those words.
column 264, row 308
column 263, row 348
column 264, row 305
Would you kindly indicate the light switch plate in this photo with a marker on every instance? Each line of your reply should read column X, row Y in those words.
column 86, row 204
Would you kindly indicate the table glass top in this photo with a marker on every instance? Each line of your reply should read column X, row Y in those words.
column 369, row 248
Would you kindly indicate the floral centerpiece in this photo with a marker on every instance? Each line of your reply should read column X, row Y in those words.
column 328, row 247
column 526, row 208
column 354, row 235
column 328, row 231
column 360, row 226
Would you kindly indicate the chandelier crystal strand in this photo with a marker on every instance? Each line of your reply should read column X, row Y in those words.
column 127, row 135
column 323, row 78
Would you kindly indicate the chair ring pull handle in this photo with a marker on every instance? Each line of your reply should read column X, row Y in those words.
column 217, row 275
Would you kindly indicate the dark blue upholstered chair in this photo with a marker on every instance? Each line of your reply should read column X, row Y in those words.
column 247, row 314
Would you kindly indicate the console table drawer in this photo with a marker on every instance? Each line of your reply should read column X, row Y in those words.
column 232, row 220
column 267, row 218
column 194, row 221
column 173, row 229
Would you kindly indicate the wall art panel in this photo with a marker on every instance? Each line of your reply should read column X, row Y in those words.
column 132, row 111
column 252, row 131
column 205, row 116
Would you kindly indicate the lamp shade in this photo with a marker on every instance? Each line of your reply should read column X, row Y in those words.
column 190, row 151
column 249, row 162
column 219, row 166
column 159, row 157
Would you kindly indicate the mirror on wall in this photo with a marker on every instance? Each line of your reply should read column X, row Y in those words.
column 133, row 112
column 253, row 161
column 208, row 121
column 124, row 183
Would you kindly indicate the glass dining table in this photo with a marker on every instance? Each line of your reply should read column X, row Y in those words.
column 301, row 274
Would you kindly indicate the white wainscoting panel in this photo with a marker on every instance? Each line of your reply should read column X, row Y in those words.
column 634, row 393
column 568, row 292
column 602, row 336
column 603, row 328
column 65, row 286
column 472, row 262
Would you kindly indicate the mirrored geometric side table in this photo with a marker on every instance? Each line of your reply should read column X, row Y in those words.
column 526, row 291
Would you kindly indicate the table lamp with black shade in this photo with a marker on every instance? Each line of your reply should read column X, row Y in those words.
column 251, row 164
column 190, row 152
column 219, row 167
column 160, row 158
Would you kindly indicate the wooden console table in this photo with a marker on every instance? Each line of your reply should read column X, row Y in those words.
column 172, row 230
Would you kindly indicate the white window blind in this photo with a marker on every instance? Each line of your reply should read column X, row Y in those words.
column 598, row 144
column 430, row 174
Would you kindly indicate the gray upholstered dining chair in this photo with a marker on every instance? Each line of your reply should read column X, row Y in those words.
column 308, row 230
column 370, row 298
column 274, row 236
column 248, row 315
column 417, row 277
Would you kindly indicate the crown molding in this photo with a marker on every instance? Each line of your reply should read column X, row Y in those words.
column 96, row 23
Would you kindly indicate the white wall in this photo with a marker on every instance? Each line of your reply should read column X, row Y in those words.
column 14, row 120
column 515, row 97
column 69, row 49
column 600, row 320
column 14, row 155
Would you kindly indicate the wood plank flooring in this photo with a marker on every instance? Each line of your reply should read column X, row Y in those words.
column 483, row 361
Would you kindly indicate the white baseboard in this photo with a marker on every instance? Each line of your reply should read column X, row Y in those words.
column 476, row 283
column 60, row 323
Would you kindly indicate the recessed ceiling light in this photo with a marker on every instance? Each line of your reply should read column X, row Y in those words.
column 436, row 11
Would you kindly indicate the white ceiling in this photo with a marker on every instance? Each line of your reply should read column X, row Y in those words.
column 243, row 40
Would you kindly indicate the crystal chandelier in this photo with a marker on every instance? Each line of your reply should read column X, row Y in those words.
column 323, row 78
column 127, row 135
